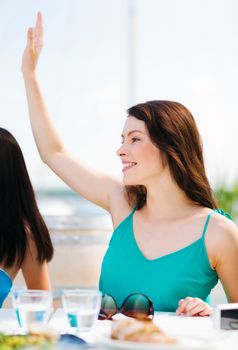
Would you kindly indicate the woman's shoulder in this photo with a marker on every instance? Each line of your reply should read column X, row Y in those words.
column 223, row 221
column 223, row 230
column 221, row 238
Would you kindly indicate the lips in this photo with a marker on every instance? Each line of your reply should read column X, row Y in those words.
column 128, row 165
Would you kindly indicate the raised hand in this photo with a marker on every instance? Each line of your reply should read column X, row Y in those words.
column 193, row 307
column 33, row 48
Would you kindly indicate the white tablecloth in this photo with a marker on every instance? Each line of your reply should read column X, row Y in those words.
column 169, row 322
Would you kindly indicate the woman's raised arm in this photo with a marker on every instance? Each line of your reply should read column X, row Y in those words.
column 97, row 188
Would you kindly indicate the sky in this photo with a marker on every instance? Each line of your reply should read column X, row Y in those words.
column 101, row 57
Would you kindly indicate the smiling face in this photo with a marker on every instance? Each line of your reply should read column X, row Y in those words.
column 140, row 157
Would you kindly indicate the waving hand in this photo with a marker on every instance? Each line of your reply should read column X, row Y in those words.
column 33, row 47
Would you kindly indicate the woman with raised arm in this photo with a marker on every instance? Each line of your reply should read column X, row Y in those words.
column 169, row 241
column 25, row 242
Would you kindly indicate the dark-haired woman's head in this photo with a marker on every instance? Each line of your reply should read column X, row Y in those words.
column 175, row 143
column 18, row 208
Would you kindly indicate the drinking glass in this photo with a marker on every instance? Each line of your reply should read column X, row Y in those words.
column 32, row 306
column 82, row 307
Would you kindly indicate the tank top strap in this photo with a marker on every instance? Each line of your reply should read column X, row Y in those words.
column 206, row 223
column 132, row 212
column 126, row 221
column 219, row 211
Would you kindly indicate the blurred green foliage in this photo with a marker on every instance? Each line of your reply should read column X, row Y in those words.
column 227, row 198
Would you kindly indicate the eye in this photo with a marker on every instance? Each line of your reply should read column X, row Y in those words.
column 134, row 139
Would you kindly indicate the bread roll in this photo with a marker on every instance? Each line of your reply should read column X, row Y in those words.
column 139, row 331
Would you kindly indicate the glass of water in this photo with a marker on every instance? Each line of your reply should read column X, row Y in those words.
column 32, row 306
column 82, row 307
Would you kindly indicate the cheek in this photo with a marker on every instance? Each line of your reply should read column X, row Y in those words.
column 154, row 165
column 153, row 161
column 152, row 155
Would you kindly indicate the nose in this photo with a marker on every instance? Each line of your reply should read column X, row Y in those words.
column 121, row 151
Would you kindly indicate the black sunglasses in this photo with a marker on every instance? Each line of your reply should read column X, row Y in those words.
column 135, row 305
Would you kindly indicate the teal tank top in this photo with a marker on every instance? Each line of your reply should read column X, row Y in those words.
column 165, row 280
column 5, row 286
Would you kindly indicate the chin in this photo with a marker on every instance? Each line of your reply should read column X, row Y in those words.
column 130, row 182
column 127, row 182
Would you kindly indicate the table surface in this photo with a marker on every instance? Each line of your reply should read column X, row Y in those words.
column 169, row 322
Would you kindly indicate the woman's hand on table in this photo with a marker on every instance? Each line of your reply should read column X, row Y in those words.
column 193, row 307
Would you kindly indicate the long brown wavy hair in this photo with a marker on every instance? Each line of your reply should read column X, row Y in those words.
column 173, row 130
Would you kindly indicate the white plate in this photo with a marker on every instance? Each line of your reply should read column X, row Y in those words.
column 185, row 342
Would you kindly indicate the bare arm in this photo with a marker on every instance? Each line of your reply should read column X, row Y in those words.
column 227, row 262
column 97, row 188
column 35, row 274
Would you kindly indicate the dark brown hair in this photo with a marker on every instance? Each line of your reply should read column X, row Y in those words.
column 173, row 130
column 19, row 212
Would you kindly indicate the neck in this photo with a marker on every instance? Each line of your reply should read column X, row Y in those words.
column 165, row 200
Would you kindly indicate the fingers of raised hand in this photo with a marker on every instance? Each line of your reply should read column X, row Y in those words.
column 193, row 306
column 33, row 48
column 30, row 38
column 38, row 34
column 35, row 35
